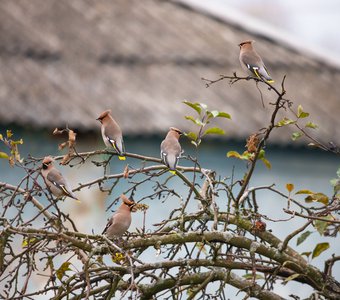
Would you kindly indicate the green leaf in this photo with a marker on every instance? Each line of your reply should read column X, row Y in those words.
column 62, row 270
column 284, row 122
column 196, row 143
column 309, row 199
column 261, row 154
column 218, row 114
column 266, row 163
column 321, row 226
column 212, row 114
column 262, row 157
column 199, row 122
column 336, row 184
column 311, row 125
column 17, row 142
column 250, row 276
column 191, row 135
column 196, row 106
column 306, row 254
column 296, row 135
column 4, row 155
column 190, row 118
column 319, row 248
column 291, row 277
column 234, row 154
column 222, row 114
column 303, row 237
column 317, row 197
column 214, row 130
column 9, row 133
column 244, row 156
column 196, row 121
column 333, row 181
column 203, row 106
column 289, row 187
column 28, row 241
column 304, row 192
column 303, row 115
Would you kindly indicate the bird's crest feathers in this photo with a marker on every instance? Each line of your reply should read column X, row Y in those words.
column 246, row 42
column 47, row 160
column 104, row 114
column 176, row 130
column 127, row 201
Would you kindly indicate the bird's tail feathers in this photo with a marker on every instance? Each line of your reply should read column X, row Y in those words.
column 257, row 73
column 68, row 193
column 266, row 76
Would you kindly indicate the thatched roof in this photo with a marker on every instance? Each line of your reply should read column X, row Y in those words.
column 64, row 62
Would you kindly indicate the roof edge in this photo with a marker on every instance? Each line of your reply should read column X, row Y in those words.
column 259, row 28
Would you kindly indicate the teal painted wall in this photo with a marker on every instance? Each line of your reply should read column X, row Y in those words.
column 306, row 168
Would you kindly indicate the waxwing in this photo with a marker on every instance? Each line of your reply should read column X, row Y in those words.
column 252, row 62
column 171, row 149
column 112, row 134
column 120, row 221
column 54, row 180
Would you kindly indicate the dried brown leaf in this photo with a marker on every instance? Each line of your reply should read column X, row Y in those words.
column 252, row 143
column 126, row 172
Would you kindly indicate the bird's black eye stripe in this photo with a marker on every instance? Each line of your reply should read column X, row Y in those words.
column 46, row 164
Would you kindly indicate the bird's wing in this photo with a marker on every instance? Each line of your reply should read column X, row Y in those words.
column 57, row 179
column 163, row 151
column 115, row 138
column 109, row 223
column 170, row 152
column 253, row 62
